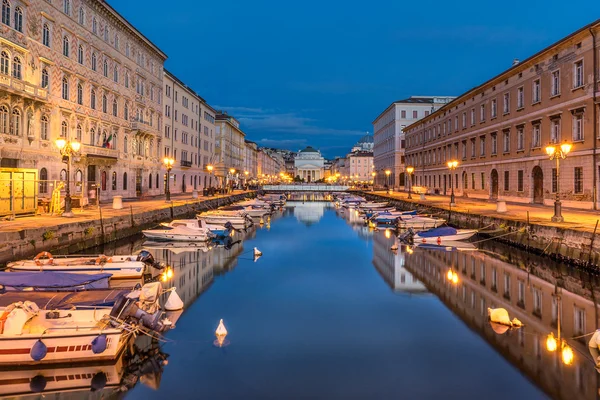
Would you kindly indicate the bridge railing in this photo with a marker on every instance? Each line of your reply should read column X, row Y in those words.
column 306, row 188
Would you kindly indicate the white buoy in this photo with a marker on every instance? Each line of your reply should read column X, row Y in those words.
column 174, row 302
column 221, row 330
column 257, row 252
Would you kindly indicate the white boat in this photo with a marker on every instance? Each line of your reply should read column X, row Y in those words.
column 181, row 231
column 221, row 218
column 121, row 267
column 447, row 245
column 198, row 224
column 443, row 235
column 248, row 210
column 179, row 247
column 371, row 205
column 419, row 222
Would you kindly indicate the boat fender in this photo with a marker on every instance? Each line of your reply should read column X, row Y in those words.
column 439, row 240
column 47, row 255
column 38, row 351
column 174, row 302
column 99, row 344
column 37, row 384
column 98, row 381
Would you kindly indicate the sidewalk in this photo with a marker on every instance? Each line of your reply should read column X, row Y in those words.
column 575, row 219
column 93, row 212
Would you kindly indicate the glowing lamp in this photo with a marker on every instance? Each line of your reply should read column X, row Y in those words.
column 455, row 278
column 169, row 273
column 60, row 143
column 75, row 145
column 232, row 171
column 410, row 170
column 388, row 172
column 566, row 148
column 388, row 234
column 567, row 354
column 551, row 343
column 550, row 150
column 209, row 168
column 246, row 173
column 450, row 274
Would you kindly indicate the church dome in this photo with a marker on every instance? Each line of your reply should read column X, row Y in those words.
column 309, row 149
column 366, row 139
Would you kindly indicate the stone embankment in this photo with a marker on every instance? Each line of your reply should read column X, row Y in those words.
column 64, row 235
column 579, row 247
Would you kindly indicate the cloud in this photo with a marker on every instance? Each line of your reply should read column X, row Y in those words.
column 289, row 123
column 282, row 143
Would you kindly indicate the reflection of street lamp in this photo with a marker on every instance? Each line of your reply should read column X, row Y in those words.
column 168, row 162
column 68, row 149
column 373, row 180
column 452, row 276
column 556, row 152
column 553, row 343
column 409, row 171
column 452, row 165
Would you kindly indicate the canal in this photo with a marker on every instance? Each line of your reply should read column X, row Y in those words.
column 330, row 312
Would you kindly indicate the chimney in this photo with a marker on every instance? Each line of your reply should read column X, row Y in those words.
column 515, row 61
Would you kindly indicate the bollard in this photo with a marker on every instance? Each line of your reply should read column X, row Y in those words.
column 501, row 206
column 195, row 194
column 117, row 202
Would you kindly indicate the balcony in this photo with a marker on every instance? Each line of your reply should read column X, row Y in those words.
column 22, row 88
column 185, row 163
column 99, row 152
column 143, row 127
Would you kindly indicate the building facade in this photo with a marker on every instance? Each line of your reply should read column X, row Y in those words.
column 250, row 161
column 80, row 71
column 498, row 131
column 308, row 164
column 388, row 137
column 230, row 148
column 360, row 166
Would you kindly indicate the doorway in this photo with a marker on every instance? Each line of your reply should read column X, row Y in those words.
column 538, row 185
column 494, row 186
column 138, row 182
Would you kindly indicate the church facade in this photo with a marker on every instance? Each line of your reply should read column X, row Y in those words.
column 309, row 165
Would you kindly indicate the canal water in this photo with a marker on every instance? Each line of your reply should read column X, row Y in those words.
column 330, row 312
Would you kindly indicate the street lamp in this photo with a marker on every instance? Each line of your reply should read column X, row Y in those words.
column 452, row 165
column 409, row 171
column 387, row 178
column 373, row 181
column 168, row 162
column 68, row 149
column 556, row 152
column 555, row 343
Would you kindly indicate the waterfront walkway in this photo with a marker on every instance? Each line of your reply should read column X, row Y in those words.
column 130, row 206
column 575, row 219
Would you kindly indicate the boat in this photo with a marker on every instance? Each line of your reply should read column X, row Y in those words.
column 248, row 210
column 448, row 245
column 391, row 217
column 179, row 247
column 238, row 221
column 372, row 205
column 419, row 222
column 200, row 225
column 444, row 234
column 33, row 335
column 52, row 281
column 181, row 231
column 121, row 267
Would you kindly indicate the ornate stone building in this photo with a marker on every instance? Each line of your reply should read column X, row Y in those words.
column 77, row 69
column 309, row 164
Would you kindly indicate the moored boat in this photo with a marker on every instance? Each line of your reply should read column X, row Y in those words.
column 444, row 234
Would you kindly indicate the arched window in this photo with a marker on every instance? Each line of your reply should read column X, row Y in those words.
column 65, row 88
column 94, row 62
column 78, row 181
column 63, row 175
column 92, row 137
column 105, row 70
column 150, row 181
column 126, row 112
column 4, row 63
column 45, row 79
column 81, row 15
column 79, row 94
column 124, row 180
column 93, row 99
column 19, row 19
column 114, row 180
column 116, row 74
column 115, row 108
column 157, row 182
column 46, row 35
column 104, row 104
column 126, row 79
column 116, row 41
column 66, row 46
column 103, row 180
column 104, row 141
column 125, row 144
column 106, row 33
column 5, row 12
column 4, row 119
column 94, row 25
column 67, row 7
column 15, row 128
column 79, row 133
column 44, row 128
column 17, row 68
column 127, row 49
column 64, row 129
column 43, row 181
column 80, row 54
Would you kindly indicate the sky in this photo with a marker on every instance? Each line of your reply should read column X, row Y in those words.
column 298, row 73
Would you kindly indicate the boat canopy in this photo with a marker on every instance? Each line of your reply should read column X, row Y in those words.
column 48, row 280
column 435, row 232
column 66, row 300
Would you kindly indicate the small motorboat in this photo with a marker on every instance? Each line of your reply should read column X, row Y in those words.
column 238, row 221
column 121, row 267
column 181, row 231
column 448, row 245
column 199, row 224
column 249, row 210
column 443, row 234
column 418, row 222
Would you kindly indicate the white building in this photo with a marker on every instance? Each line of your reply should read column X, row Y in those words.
column 309, row 164
column 388, row 138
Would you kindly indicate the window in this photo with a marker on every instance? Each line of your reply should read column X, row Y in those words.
column 125, row 146
column 403, row 114
column 80, row 54
column 5, row 12
column 43, row 181
column 103, row 180
column 46, row 35
column 116, row 41
column 555, row 131
column 464, row 120
column 555, row 89
column 150, row 181
column 19, row 19
column 520, row 180
column 554, row 181
column 116, row 74
column 16, row 70
column 79, row 132
column 473, row 116
column 64, row 129
column 482, row 113
column 536, row 91
column 4, row 122
column 104, row 104
column 93, row 99
column 482, row 146
column 577, row 127
column 105, row 69
column 106, row 33
column 127, row 49
column 67, row 7
column 579, row 321
column 506, row 181
column 126, row 79
column 506, row 103
column 44, row 128
column 92, row 137
column 126, row 112
column 66, row 46
column 4, row 63
column 115, row 108
column 114, row 181
column 472, row 148
column 520, row 97
column 79, row 94
column 94, row 62
column 506, row 141
column 45, row 78
column 94, row 25
column 472, row 180
column 482, row 180
column 15, row 129
column 415, row 114
column 520, row 138
column 536, row 137
column 81, row 16
column 521, row 293
column 65, row 88
column 494, row 144
column 578, row 180
column 578, row 74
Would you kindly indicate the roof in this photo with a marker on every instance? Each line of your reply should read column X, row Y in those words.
column 522, row 65
column 309, row 149
column 361, row 154
column 419, row 100
column 366, row 139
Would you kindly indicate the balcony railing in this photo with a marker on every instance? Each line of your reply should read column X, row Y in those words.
column 141, row 125
column 185, row 163
column 21, row 86
column 87, row 149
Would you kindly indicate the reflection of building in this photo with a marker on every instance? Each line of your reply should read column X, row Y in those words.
column 309, row 212
column 308, row 164
column 391, row 266
column 487, row 282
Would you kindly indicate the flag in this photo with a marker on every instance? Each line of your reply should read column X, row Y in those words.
column 106, row 143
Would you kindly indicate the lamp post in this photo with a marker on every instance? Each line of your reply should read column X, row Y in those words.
column 452, row 166
column 246, row 173
column 68, row 149
column 373, row 174
column 556, row 343
column 558, row 152
column 387, row 178
column 232, row 172
column 409, row 171
column 168, row 162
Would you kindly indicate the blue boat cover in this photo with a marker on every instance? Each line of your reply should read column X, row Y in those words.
column 435, row 232
column 54, row 280
column 66, row 300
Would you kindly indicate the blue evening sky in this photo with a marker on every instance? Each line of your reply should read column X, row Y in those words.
column 299, row 73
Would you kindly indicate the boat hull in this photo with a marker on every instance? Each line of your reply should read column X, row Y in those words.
column 167, row 235
column 460, row 235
